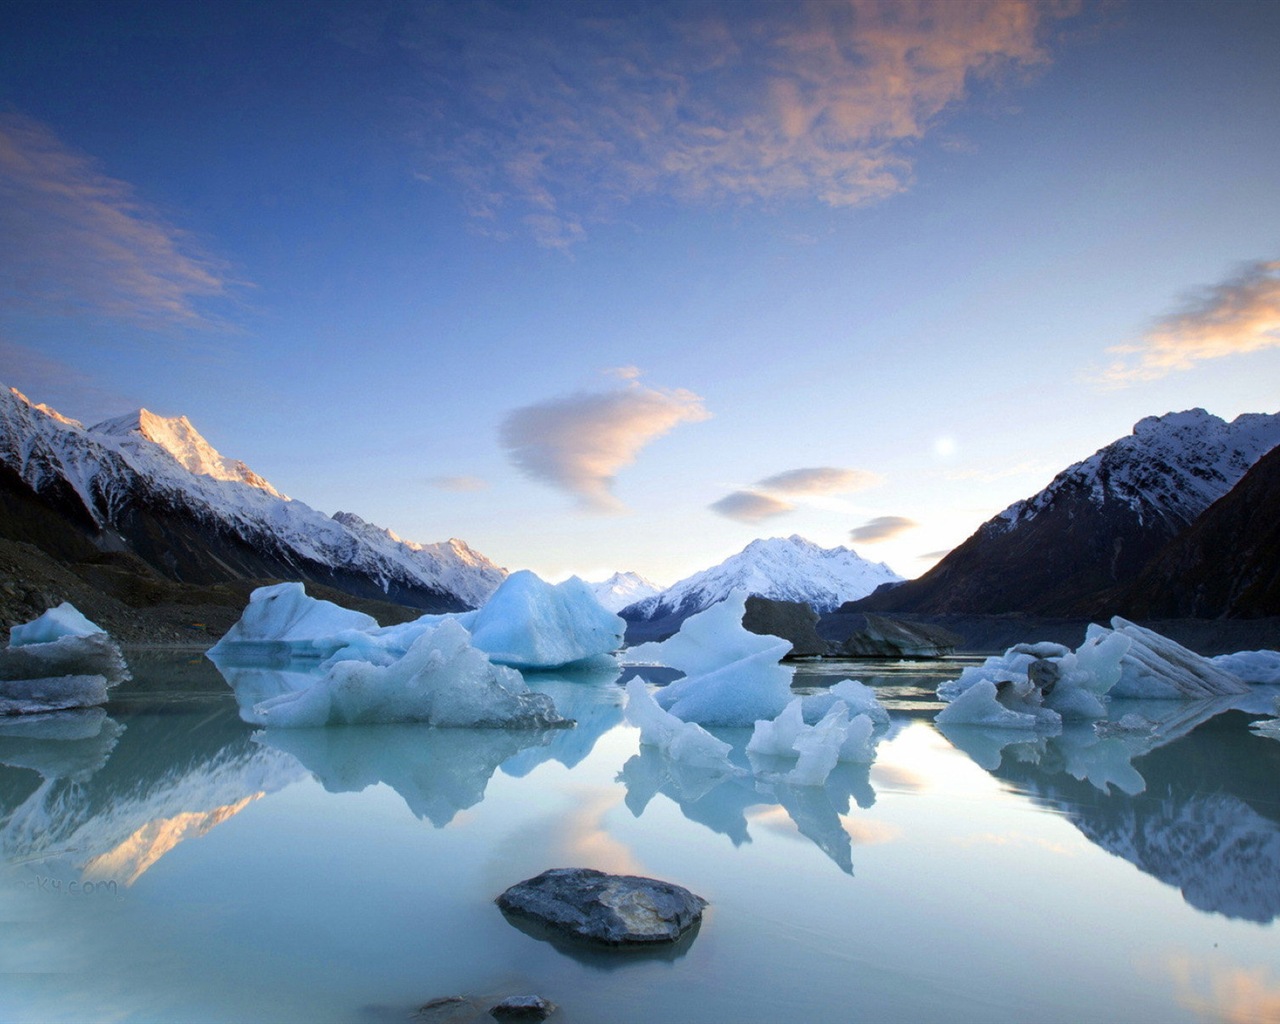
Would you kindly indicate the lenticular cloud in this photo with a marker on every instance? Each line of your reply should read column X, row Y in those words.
column 579, row 443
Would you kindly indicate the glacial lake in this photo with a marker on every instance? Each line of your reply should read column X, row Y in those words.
column 165, row 861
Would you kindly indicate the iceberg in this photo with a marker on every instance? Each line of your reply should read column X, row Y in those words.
column 285, row 614
column 526, row 624
column 817, row 748
column 58, row 661
column 1260, row 667
column 860, row 698
column 442, row 680
column 682, row 741
column 530, row 624
column 732, row 676
column 1154, row 667
column 1041, row 685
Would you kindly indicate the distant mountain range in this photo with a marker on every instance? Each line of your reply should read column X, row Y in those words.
column 622, row 589
column 1152, row 524
column 781, row 568
column 153, row 488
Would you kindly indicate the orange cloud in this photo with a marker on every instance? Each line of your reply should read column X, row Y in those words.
column 819, row 480
column 1237, row 316
column 579, row 443
column 750, row 506
column 1224, row 992
column 569, row 116
column 77, row 240
column 882, row 528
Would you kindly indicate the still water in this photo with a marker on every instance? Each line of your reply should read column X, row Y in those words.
column 164, row 861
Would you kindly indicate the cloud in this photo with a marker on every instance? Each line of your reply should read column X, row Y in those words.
column 819, row 480
column 579, row 443
column 769, row 498
column 935, row 555
column 563, row 115
column 73, row 240
column 750, row 506
column 458, row 484
column 1237, row 316
column 882, row 528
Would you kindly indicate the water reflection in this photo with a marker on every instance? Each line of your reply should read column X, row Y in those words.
column 92, row 796
column 1191, row 803
column 724, row 803
column 438, row 772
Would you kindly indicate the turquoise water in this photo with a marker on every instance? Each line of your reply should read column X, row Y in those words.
column 166, row 861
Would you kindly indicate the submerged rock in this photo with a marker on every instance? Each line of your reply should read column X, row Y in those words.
column 884, row 637
column 608, row 910
column 523, row 1008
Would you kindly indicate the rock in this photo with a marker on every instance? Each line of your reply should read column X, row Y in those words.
column 607, row 910
column 791, row 620
column 523, row 1008
column 883, row 637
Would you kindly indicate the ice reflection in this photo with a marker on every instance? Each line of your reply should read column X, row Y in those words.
column 724, row 802
column 438, row 772
column 111, row 800
column 1197, row 810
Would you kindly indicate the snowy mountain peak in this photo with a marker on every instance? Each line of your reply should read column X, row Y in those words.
column 52, row 413
column 179, row 438
column 781, row 568
column 622, row 589
column 1171, row 468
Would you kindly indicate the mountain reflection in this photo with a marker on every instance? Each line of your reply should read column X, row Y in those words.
column 1192, row 804
column 106, row 800
column 721, row 802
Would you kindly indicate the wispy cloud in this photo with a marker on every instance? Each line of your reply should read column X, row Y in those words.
column 1236, row 316
column 578, row 443
column 819, row 480
column 458, row 484
column 563, row 114
column 74, row 240
column 882, row 528
column 751, row 506
column 772, row 496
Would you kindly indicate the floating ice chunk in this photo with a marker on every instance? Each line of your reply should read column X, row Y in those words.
column 1269, row 727
column 679, row 740
column 58, row 661
column 1252, row 666
column 817, row 747
column 978, row 705
column 1154, row 667
column 859, row 697
column 709, row 640
column 64, row 620
column 441, row 679
column 738, row 694
column 285, row 614
column 529, row 623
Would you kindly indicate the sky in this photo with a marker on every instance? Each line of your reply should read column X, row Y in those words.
column 624, row 286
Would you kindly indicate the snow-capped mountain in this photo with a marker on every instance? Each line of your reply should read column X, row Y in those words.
column 1097, row 524
column 622, row 589
column 154, row 487
column 781, row 568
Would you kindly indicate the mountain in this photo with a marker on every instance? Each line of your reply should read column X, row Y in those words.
column 622, row 589
column 1226, row 564
column 153, row 489
column 1096, row 526
column 784, row 569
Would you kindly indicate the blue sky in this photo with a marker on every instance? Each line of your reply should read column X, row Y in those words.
column 624, row 286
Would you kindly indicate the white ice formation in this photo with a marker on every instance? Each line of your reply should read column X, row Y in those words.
column 441, row 679
column 448, row 670
column 686, row 742
column 1259, row 667
column 817, row 748
column 732, row 676
column 60, row 660
column 1039, row 685
column 526, row 624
